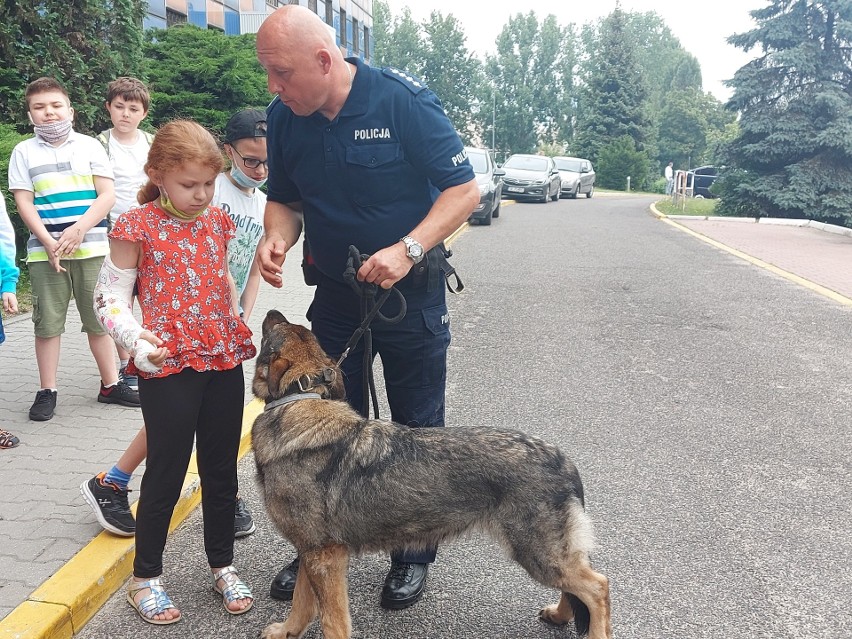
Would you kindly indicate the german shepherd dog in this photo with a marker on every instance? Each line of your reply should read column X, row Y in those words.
column 337, row 484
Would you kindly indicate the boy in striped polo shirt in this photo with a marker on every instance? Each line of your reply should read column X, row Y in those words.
column 63, row 187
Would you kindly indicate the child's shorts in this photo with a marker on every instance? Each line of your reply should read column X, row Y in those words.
column 52, row 292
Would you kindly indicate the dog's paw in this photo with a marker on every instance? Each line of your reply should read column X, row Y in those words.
column 551, row 615
column 274, row 631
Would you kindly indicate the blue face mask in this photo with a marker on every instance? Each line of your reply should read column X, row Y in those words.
column 244, row 180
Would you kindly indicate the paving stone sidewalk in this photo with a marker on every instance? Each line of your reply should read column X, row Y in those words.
column 43, row 518
column 818, row 256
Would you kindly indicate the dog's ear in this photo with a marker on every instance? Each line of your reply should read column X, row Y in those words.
column 274, row 373
column 273, row 318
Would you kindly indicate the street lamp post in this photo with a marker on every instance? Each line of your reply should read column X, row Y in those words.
column 494, row 119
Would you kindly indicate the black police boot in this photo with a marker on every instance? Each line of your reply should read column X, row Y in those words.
column 285, row 582
column 404, row 585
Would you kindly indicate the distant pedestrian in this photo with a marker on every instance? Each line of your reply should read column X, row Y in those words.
column 669, row 173
column 9, row 274
column 63, row 186
column 188, row 353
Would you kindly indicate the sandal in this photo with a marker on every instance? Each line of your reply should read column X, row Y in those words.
column 154, row 604
column 234, row 590
column 8, row 440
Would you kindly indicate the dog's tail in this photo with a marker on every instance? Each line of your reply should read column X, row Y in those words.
column 581, row 615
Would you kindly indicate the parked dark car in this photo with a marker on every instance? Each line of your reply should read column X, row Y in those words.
column 577, row 176
column 489, row 177
column 531, row 177
column 702, row 179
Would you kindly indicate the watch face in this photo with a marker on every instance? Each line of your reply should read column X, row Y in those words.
column 415, row 250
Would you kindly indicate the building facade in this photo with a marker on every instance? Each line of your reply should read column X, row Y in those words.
column 352, row 20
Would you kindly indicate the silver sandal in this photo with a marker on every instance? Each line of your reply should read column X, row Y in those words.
column 154, row 604
column 235, row 589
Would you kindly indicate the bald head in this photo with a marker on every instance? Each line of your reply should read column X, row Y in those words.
column 297, row 26
column 303, row 64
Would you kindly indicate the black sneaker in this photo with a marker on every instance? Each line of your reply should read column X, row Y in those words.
column 110, row 505
column 130, row 380
column 243, row 523
column 119, row 393
column 43, row 406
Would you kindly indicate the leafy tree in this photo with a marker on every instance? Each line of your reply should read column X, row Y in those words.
column 82, row 43
column 451, row 71
column 403, row 46
column 202, row 74
column 613, row 101
column 620, row 159
column 532, row 75
column 793, row 154
column 689, row 120
column 9, row 138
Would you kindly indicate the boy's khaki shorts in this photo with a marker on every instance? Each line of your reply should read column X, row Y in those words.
column 52, row 293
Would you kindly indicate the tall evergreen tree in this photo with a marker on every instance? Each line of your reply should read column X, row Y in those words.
column 793, row 154
column 82, row 43
column 613, row 102
column 202, row 74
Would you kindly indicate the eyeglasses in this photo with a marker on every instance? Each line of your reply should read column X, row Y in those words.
column 251, row 163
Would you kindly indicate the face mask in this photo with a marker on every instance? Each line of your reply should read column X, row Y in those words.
column 52, row 132
column 171, row 209
column 244, row 180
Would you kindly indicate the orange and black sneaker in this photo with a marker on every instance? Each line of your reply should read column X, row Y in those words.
column 119, row 393
column 109, row 502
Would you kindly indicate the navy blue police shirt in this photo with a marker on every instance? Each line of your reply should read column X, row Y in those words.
column 369, row 176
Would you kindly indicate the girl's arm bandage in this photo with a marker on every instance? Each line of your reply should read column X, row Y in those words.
column 113, row 308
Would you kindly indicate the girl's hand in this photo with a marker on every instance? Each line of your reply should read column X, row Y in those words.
column 159, row 354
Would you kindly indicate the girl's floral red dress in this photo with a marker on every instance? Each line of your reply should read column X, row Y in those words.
column 183, row 289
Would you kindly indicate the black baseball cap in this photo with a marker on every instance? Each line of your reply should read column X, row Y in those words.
column 249, row 123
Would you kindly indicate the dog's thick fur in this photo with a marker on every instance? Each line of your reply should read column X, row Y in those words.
column 337, row 484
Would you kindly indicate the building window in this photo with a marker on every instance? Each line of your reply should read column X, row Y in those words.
column 173, row 18
column 355, row 35
column 343, row 41
column 329, row 13
column 367, row 43
column 312, row 5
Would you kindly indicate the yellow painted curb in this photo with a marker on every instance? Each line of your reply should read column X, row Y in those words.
column 801, row 281
column 63, row 604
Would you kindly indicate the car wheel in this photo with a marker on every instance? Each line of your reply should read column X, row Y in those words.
column 576, row 192
column 485, row 221
column 555, row 195
column 496, row 212
column 591, row 191
column 545, row 198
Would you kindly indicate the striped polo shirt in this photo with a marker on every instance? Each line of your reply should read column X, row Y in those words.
column 61, row 179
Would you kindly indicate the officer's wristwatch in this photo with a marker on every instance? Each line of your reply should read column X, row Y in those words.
column 414, row 249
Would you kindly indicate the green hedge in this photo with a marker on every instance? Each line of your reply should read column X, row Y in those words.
column 9, row 137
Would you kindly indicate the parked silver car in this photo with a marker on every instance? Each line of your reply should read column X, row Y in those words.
column 577, row 176
column 531, row 177
column 489, row 178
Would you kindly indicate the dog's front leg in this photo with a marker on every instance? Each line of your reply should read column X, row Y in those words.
column 302, row 612
column 328, row 573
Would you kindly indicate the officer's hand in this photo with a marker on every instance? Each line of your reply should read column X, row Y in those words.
column 386, row 267
column 271, row 252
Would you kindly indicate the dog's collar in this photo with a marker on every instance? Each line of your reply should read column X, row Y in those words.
column 307, row 383
column 288, row 399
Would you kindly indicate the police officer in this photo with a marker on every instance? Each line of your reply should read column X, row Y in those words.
column 365, row 157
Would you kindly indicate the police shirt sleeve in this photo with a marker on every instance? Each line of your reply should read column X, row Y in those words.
column 433, row 145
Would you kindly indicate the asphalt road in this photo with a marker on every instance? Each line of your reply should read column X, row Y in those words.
column 704, row 400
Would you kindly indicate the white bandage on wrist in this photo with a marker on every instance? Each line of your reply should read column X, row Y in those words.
column 112, row 304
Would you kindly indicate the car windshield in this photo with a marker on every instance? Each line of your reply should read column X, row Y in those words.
column 478, row 162
column 566, row 164
column 526, row 163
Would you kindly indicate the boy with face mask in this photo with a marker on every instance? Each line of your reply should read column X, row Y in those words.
column 63, row 187
column 238, row 194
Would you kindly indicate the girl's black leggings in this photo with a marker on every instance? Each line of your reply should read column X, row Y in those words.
column 207, row 407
